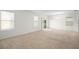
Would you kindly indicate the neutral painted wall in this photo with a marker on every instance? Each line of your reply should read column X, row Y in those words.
column 78, row 20
column 24, row 23
column 58, row 22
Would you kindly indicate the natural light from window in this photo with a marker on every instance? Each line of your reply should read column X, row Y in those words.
column 6, row 20
column 35, row 21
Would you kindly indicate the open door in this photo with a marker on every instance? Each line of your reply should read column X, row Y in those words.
column 44, row 23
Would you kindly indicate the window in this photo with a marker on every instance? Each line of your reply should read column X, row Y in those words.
column 35, row 21
column 69, row 21
column 6, row 20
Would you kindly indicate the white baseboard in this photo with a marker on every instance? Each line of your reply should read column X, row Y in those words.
column 18, row 34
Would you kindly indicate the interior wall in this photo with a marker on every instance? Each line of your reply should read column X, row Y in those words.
column 24, row 23
column 56, row 22
column 59, row 22
column 78, row 20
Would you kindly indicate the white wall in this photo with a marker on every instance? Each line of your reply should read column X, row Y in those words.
column 23, row 24
column 58, row 22
column 78, row 20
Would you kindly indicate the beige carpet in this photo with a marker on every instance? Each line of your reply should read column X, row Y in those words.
column 43, row 40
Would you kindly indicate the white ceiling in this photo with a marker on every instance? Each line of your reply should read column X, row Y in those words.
column 53, row 12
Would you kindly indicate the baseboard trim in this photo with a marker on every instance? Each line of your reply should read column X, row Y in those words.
column 19, row 35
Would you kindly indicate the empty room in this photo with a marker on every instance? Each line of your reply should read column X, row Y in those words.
column 39, row 29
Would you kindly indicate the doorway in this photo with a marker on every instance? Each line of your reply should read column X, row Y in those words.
column 44, row 23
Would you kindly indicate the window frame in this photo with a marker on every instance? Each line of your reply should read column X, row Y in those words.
column 11, row 21
column 36, row 20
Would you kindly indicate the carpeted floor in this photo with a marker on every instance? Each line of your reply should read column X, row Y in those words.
column 56, row 39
